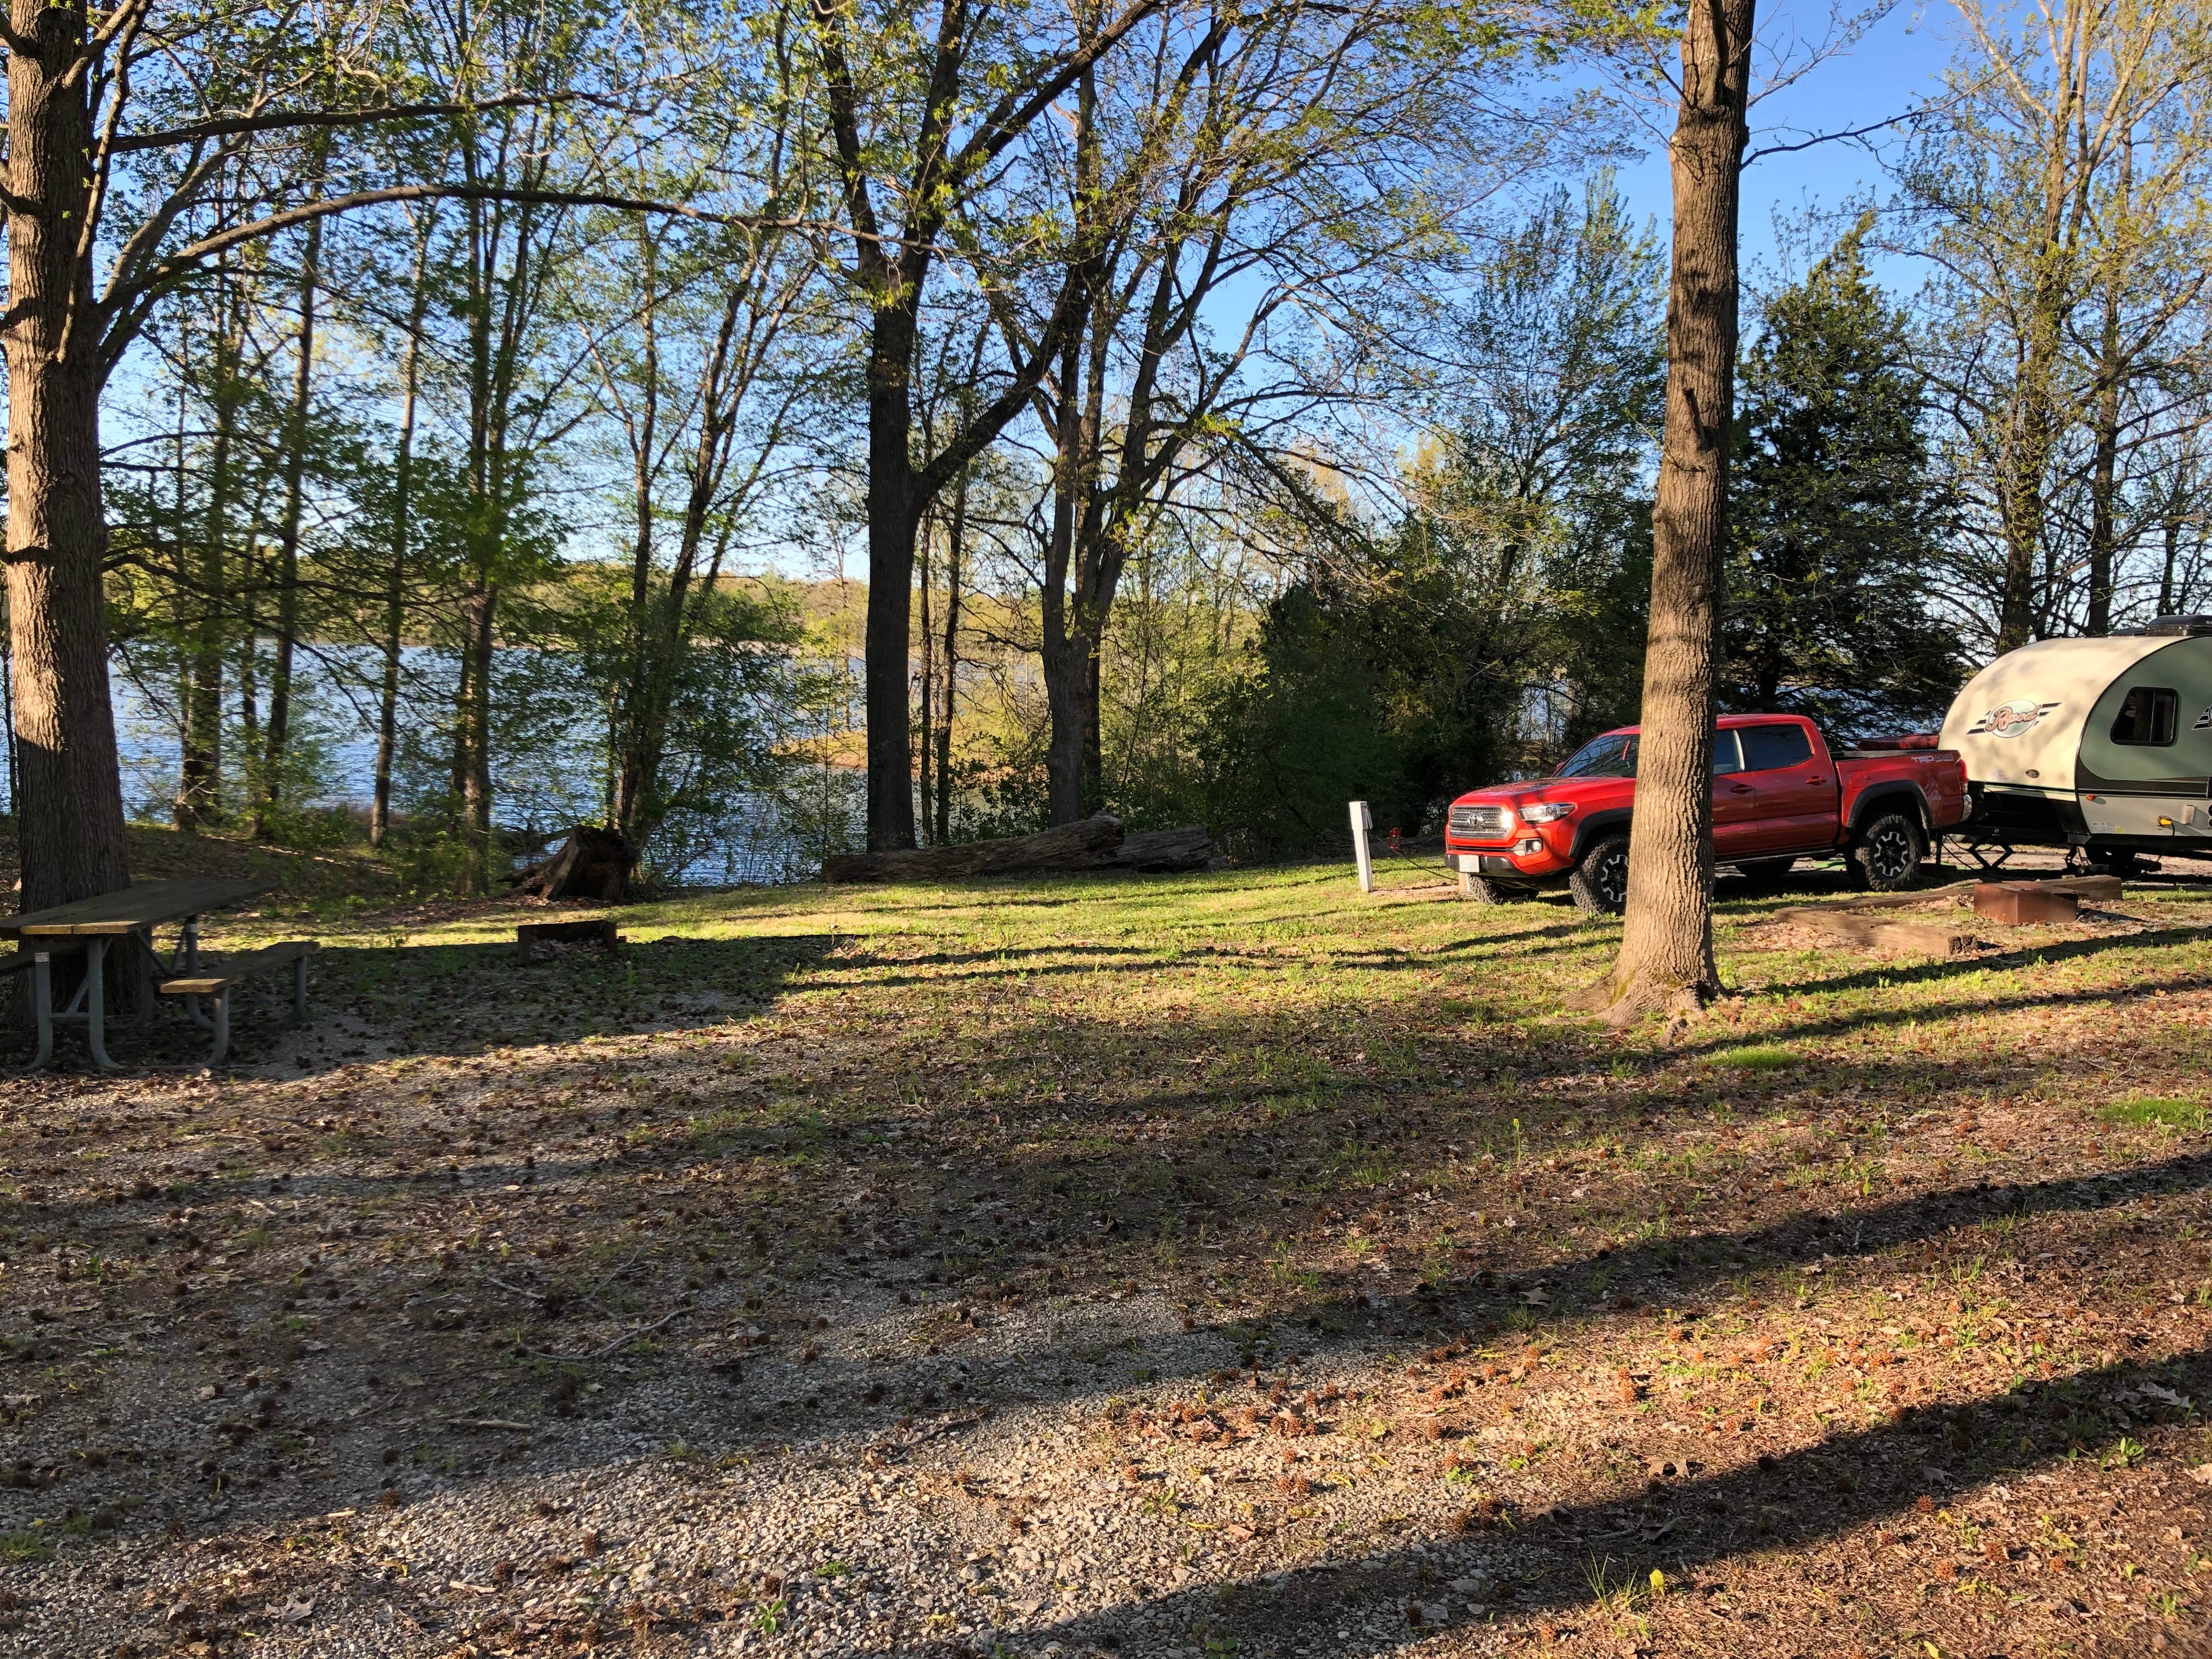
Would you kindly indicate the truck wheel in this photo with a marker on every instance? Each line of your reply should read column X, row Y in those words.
column 1885, row 857
column 1600, row 883
column 1481, row 890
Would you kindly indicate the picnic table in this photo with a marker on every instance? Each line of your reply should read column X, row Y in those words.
column 94, row 924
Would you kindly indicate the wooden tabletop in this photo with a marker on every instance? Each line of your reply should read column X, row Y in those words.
column 146, row 905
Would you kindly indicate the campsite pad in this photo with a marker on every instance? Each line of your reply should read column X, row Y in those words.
column 1947, row 907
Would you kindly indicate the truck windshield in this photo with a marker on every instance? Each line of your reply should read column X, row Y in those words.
column 1613, row 756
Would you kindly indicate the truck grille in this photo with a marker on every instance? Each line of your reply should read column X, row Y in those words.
column 1479, row 822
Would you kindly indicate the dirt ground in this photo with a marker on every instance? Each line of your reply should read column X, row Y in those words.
column 1195, row 1266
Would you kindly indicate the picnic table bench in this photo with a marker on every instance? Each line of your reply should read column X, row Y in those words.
column 92, row 925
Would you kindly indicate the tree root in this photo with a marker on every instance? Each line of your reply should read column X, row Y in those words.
column 1621, row 1003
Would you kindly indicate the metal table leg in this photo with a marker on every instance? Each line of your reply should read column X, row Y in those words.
column 95, row 1000
column 145, row 963
column 42, row 1006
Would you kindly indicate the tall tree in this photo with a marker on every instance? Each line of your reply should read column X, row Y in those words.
column 127, row 143
column 1220, row 184
column 2067, row 206
column 1837, row 513
column 267, row 782
column 923, row 129
column 1666, row 944
column 398, row 569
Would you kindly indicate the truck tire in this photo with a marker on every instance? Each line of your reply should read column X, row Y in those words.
column 1481, row 890
column 1600, row 883
column 1886, row 853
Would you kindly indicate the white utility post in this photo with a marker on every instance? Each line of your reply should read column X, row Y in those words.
column 1362, row 822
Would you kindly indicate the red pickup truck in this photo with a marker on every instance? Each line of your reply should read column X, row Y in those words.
column 1779, row 794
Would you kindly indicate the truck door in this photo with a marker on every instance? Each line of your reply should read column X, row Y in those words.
column 1793, row 789
column 1735, row 819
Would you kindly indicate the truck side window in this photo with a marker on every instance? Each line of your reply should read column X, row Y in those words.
column 1771, row 748
column 1726, row 757
column 1610, row 757
column 2147, row 717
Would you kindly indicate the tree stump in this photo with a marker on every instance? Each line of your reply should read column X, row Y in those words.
column 591, row 864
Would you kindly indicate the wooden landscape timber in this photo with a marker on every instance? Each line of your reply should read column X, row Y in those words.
column 1848, row 926
column 1861, row 922
column 1095, row 843
column 2019, row 906
column 531, row 937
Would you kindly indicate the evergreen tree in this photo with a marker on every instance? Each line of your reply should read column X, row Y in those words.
column 1838, row 515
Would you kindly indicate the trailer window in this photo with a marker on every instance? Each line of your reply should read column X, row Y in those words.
column 2148, row 716
column 1771, row 748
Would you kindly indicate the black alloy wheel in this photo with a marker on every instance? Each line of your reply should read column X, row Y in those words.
column 1600, row 883
column 1887, row 855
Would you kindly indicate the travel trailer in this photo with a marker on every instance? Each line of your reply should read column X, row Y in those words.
column 2104, row 745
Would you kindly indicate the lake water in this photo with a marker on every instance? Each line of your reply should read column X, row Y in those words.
column 548, row 761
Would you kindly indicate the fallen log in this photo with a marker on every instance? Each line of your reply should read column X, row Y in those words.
column 1095, row 843
column 1084, row 845
column 1161, row 852
column 592, row 863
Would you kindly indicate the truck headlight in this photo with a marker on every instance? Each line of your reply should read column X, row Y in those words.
column 1546, row 811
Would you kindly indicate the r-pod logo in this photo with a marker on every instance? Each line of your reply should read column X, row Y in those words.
column 2010, row 719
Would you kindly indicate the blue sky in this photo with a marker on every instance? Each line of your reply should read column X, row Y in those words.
column 1898, row 63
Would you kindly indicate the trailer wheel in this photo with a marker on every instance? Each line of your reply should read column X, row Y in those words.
column 1887, row 856
column 1600, row 883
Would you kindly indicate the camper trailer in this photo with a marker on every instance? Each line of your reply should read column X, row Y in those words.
column 2104, row 745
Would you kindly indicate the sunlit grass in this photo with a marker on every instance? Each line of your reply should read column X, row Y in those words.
column 2144, row 1113
column 1758, row 1058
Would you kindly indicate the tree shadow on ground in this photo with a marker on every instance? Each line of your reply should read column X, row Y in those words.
column 392, row 1000
column 980, row 1181
column 1594, row 1559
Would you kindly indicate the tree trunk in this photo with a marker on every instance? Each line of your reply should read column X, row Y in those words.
column 200, row 778
column 1065, row 676
column 2105, row 424
column 479, row 616
column 1060, row 638
column 634, row 765
column 2103, row 485
column 893, row 520
column 1094, row 740
column 1666, row 945
column 953, row 546
column 395, row 587
column 69, row 818
column 2171, row 536
column 269, row 784
column 926, row 754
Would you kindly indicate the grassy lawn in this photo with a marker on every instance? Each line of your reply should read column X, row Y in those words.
column 1212, row 1264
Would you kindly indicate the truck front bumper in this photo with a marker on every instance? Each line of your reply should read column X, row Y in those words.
column 1526, row 860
